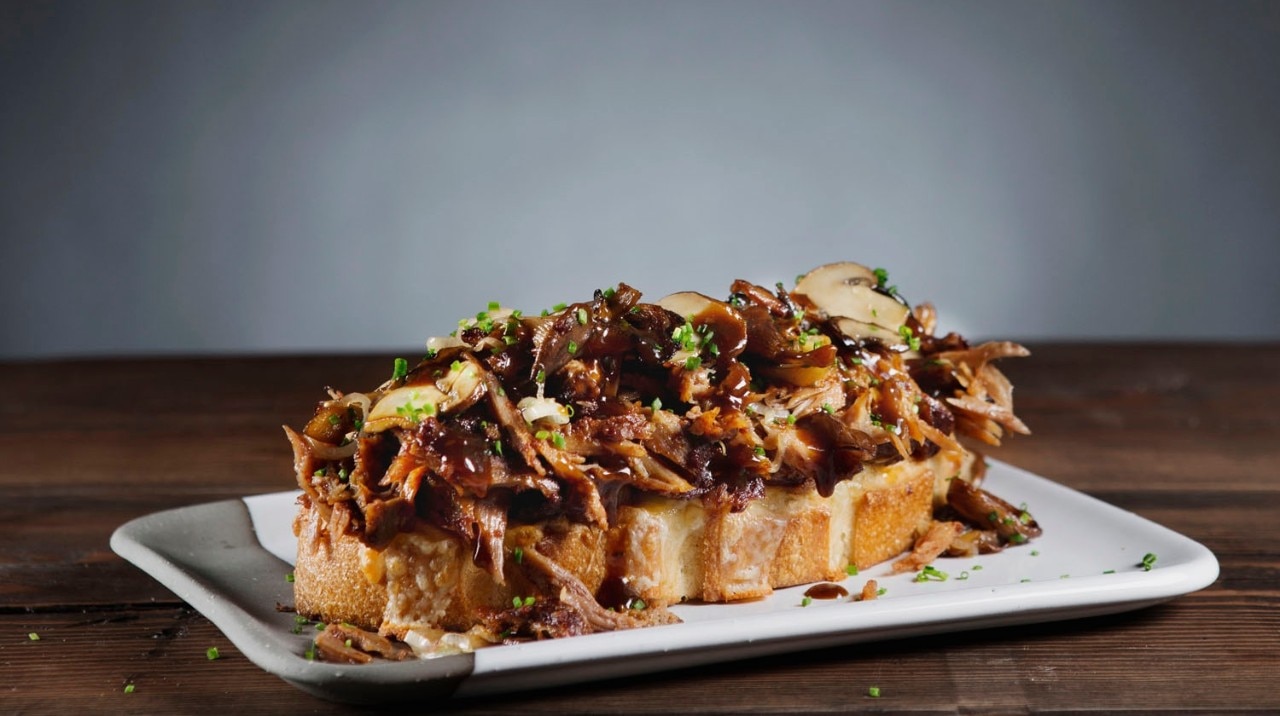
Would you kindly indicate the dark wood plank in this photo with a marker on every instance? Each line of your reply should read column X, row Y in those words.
column 1184, row 435
column 1168, row 657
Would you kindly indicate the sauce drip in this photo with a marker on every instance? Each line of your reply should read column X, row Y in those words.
column 826, row 590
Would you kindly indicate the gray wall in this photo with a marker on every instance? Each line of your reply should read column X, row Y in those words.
column 281, row 176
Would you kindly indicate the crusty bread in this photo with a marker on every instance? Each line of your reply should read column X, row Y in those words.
column 671, row 551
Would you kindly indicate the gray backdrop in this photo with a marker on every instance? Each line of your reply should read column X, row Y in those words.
column 286, row 176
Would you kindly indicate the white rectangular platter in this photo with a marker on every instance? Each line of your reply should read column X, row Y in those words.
column 229, row 560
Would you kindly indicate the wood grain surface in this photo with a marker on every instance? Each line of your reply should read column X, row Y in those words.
column 1186, row 435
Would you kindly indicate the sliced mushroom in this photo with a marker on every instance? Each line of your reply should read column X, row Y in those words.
column 406, row 406
column 462, row 385
column 858, row 330
column 725, row 326
column 848, row 290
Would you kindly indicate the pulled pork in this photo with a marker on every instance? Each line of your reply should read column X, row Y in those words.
column 518, row 419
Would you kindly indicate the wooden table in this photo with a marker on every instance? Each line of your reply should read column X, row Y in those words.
column 1186, row 435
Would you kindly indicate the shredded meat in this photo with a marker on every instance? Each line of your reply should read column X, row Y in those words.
column 568, row 415
column 870, row 591
column 571, row 592
column 353, row 645
column 982, row 508
column 934, row 542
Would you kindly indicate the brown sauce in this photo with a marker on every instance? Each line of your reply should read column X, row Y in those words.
column 826, row 590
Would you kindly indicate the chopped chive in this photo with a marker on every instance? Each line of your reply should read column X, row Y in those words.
column 542, row 434
column 541, row 377
column 128, row 688
column 758, row 450
column 494, row 305
column 212, row 653
column 289, row 577
column 881, row 591
column 557, row 439
column 806, row 601
column 931, row 574
column 874, row 692
column 791, row 419
column 33, row 636
column 656, row 405
column 573, row 347
column 851, row 570
column 400, row 369
column 826, row 408
column 962, row 576
column 638, row 604
column 559, row 307
column 1109, row 571
column 1017, row 538
column 1148, row 561
column 497, row 447
column 582, row 316
column 692, row 363
column 518, row 554
column 1035, row 553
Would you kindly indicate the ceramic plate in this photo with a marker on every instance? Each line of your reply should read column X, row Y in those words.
column 230, row 559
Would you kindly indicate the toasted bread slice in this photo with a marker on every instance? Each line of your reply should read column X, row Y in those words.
column 667, row 550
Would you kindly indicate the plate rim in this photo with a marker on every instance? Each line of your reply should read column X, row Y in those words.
column 182, row 564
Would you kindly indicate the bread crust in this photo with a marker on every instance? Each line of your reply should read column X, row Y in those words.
column 662, row 550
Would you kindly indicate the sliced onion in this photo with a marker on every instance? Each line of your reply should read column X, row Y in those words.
column 389, row 411
column 328, row 451
column 359, row 399
column 439, row 343
column 534, row 409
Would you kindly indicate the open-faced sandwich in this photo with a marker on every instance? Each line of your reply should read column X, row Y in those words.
column 578, row 471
